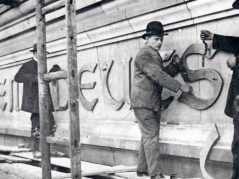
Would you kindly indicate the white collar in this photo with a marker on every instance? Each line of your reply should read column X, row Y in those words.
column 34, row 58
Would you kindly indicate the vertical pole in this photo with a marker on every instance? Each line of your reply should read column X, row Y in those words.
column 73, row 89
column 43, row 90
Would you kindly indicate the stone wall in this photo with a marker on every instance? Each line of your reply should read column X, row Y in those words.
column 109, row 32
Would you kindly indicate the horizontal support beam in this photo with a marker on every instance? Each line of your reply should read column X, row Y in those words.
column 57, row 141
column 55, row 76
column 53, row 7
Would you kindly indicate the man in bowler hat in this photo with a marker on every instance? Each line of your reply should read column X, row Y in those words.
column 150, row 76
column 231, row 45
column 28, row 75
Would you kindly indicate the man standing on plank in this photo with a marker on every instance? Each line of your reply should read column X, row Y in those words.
column 28, row 75
column 150, row 76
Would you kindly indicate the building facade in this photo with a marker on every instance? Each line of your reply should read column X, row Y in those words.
column 109, row 37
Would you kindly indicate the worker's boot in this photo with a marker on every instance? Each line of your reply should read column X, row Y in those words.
column 36, row 143
column 142, row 174
column 53, row 151
column 56, row 153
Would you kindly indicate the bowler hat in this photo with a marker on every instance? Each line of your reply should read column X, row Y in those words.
column 235, row 5
column 154, row 28
column 34, row 48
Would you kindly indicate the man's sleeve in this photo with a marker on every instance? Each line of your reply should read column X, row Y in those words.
column 152, row 69
column 226, row 43
column 23, row 76
column 172, row 69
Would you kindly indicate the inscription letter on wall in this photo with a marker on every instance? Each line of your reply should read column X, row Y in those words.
column 194, row 75
column 116, row 105
column 86, row 104
column 3, row 93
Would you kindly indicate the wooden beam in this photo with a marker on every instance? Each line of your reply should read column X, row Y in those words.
column 53, row 7
column 64, row 162
column 55, row 76
column 73, row 89
column 12, row 159
column 43, row 90
column 4, row 148
column 58, row 141
column 26, row 171
column 112, row 170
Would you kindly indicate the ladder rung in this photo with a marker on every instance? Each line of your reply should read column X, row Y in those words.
column 57, row 141
column 55, row 76
column 53, row 7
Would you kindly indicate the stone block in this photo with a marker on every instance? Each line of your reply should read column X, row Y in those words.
column 166, row 16
column 145, row 7
column 202, row 8
column 110, row 31
column 104, row 19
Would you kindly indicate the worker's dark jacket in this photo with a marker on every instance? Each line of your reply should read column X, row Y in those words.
column 231, row 45
column 149, row 79
column 27, row 75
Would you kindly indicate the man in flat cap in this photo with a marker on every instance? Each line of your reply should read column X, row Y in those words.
column 231, row 45
column 28, row 75
column 150, row 76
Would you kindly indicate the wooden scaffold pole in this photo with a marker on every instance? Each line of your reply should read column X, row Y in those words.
column 43, row 90
column 73, row 89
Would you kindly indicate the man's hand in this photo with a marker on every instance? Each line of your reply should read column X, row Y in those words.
column 186, row 88
column 231, row 62
column 176, row 59
column 206, row 35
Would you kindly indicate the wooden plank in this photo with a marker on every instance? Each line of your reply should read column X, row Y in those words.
column 43, row 90
column 53, row 7
column 28, row 171
column 58, row 141
column 14, row 159
column 4, row 148
column 112, row 170
column 106, row 176
column 55, row 76
column 73, row 96
column 88, row 169
column 116, row 169
column 132, row 175
column 63, row 162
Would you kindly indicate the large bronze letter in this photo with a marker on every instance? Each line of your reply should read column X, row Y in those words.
column 194, row 75
column 17, row 108
column 110, row 100
column 3, row 93
column 56, row 96
column 127, row 81
column 86, row 104
column 11, row 96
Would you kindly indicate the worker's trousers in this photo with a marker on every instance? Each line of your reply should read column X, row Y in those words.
column 235, row 148
column 149, row 154
column 35, row 129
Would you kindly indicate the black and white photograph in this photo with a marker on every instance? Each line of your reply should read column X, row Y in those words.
column 119, row 89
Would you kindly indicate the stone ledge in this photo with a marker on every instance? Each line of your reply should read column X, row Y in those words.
column 123, row 30
column 194, row 8
column 175, row 140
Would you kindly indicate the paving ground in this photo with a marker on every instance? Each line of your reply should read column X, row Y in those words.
column 7, row 176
